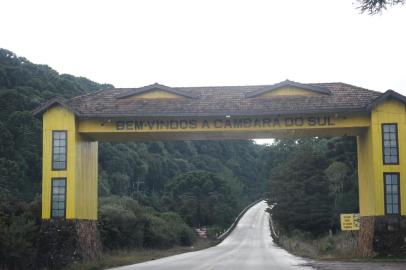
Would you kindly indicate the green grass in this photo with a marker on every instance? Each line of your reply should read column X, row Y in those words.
column 126, row 257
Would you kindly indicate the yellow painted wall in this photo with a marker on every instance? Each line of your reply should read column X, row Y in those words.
column 366, row 182
column 156, row 94
column 81, row 171
column 86, row 178
column 289, row 91
column 337, row 121
column 58, row 118
column 370, row 159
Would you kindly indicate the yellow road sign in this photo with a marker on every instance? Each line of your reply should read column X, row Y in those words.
column 350, row 222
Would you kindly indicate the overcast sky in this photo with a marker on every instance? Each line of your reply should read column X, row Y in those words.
column 200, row 43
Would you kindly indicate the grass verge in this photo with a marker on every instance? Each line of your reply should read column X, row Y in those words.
column 125, row 257
column 339, row 246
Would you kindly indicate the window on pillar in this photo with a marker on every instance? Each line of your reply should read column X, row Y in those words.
column 59, row 143
column 390, row 144
column 392, row 196
column 58, row 199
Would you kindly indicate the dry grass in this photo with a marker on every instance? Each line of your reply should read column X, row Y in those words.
column 339, row 246
column 126, row 257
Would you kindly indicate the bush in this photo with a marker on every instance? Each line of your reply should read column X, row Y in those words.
column 123, row 223
column 158, row 233
column 17, row 243
column 18, row 232
column 187, row 236
column 120, row 227
column 183, row 234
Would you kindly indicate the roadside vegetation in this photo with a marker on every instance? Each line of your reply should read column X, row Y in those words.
column 341, row 245
column 122, row 257
column 312, row 181
column 152, row 194
column 338, row 246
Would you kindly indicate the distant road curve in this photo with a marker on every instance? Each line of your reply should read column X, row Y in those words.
column 248, row 247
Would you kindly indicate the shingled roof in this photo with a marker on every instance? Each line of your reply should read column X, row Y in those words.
column 224, row 100
column 288, row 83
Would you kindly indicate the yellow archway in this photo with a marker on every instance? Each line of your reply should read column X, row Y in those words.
column 71, row 129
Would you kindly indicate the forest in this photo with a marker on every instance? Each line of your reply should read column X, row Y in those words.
column 310, row 182
column 153, row 194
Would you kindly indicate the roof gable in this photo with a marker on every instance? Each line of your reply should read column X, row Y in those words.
column 155, row 91
column 385, row 96
column 51, row 103
column 288, row 88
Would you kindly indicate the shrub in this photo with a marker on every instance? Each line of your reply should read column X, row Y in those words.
column 18, row 232
column 123, row 223
column 158, row 233
column 183, row 234
column 119, row 225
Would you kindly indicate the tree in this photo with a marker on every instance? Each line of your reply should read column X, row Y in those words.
column 202, row 198
column 299, row 192
column 126, row 224
column 376, row 6
column 336, row 174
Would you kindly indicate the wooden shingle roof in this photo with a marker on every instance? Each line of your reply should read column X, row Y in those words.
column 224, row 100
column 155, row 86
column 288, row 83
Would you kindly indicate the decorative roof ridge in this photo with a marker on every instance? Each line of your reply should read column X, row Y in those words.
column 181, row 88
column 54, row 101
column 155, row 86
column 288, row 83
column 388, row 94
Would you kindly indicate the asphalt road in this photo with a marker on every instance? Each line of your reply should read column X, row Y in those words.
column 249, row 247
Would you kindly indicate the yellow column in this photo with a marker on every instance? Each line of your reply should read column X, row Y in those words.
column 370, row 159
column 366, row 176
column 86, row 178
column 81, row 170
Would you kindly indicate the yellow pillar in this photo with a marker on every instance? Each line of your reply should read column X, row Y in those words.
column 81, row 169
column 371, row 167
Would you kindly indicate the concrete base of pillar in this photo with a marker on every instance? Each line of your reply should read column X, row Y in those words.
column 366, row 237
column 382, row 235
column 390, row 235
column 63, row 242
